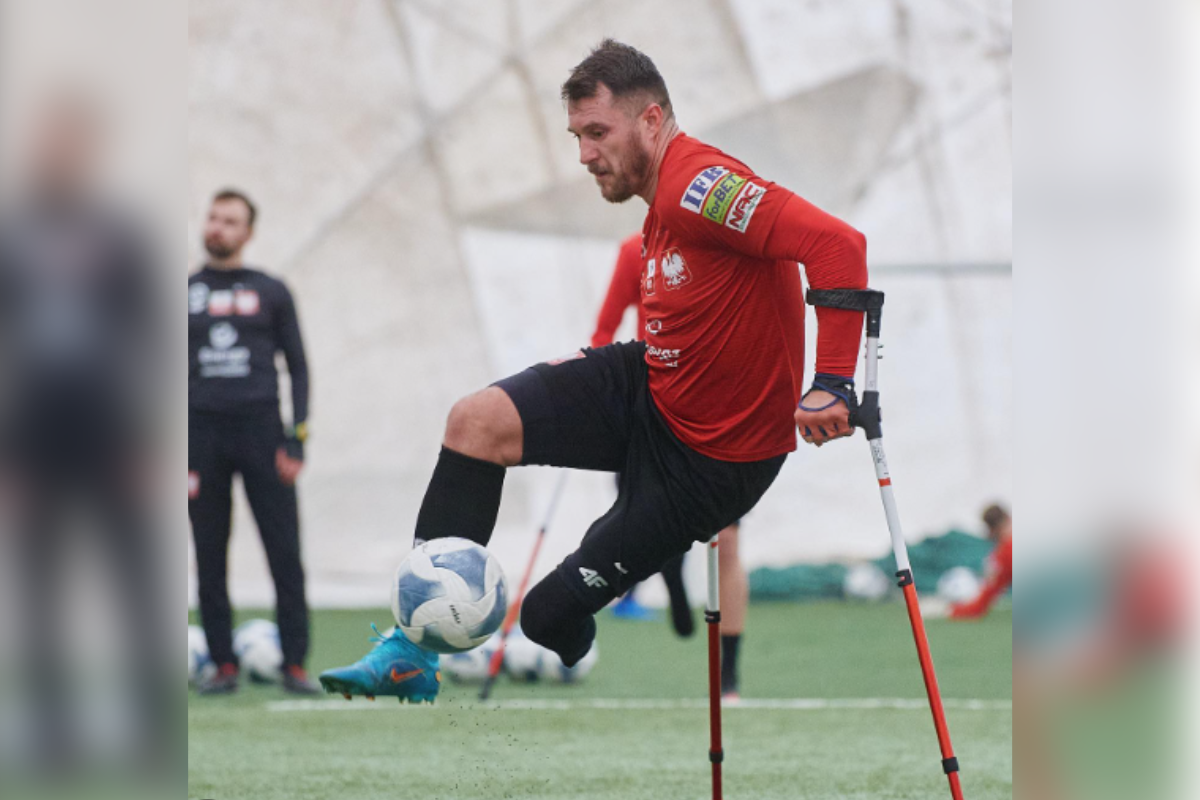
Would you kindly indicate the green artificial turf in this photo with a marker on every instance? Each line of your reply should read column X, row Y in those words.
column 552, row 741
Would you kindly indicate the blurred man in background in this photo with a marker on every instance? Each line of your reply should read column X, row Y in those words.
column 999, row 565
column 81, row 363
column 238, row 320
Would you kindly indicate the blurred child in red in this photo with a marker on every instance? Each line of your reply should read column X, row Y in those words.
column 999, row 566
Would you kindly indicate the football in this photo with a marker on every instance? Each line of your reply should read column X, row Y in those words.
column 553, row 671
column 866, row 582
column 199, row 663
column 449, row 595
column 256, row 645
column 958, row 585
column 471, row 666
column 523, row 658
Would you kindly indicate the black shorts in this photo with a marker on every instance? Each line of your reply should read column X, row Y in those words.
column 594, row 411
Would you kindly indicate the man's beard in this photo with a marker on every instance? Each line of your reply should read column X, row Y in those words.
column 624, row 186
column 218, row 250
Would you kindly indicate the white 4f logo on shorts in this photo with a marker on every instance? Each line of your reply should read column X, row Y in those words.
column 592, row 578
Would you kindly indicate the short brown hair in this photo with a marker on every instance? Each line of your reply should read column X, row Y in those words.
column 234, row 194
column 994, row 515
column 625, row 70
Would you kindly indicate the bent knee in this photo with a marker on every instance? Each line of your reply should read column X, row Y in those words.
column 486, row 425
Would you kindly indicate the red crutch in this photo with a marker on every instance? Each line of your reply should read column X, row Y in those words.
column 865, row 415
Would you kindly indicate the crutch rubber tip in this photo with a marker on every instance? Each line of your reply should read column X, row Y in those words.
column 716, row 757
column 950, row 765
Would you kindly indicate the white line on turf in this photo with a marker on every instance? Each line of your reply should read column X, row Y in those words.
column 793, row 704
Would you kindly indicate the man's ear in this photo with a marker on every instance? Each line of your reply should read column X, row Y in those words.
column 652, row 118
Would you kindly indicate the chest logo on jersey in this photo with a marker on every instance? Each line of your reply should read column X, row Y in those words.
column 197, row 298
column 222, row 336
column 675, row 270
column 223, row 302
column 220, row 303
column 246, row 302
column 221, row 359
column 648, row 281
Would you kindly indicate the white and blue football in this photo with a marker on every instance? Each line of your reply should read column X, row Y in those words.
column 200, row 665
column 866, row 582
column 958, row 585
column 449, row 595
column 471, row 666
column 524, row 658
column 257, row 647
column 553, row 670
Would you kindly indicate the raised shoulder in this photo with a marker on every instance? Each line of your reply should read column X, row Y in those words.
column 707, row 193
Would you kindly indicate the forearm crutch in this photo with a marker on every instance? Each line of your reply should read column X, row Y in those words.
column 514, row 608
column 865, row 414
column 712, row 615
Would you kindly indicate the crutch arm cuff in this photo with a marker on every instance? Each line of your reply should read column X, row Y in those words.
column 846, row 299
column 869, row 301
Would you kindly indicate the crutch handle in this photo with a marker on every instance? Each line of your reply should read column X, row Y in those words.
column 864, row 413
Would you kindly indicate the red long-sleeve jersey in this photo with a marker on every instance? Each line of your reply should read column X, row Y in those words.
column 623, row 291
column 724, row 302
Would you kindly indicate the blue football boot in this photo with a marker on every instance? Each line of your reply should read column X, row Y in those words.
column 395, row 668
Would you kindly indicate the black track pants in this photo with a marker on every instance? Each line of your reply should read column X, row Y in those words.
column 218, row 447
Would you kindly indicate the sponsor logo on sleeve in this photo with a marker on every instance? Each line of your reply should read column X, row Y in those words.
column 743, row 207
column 720, row 199
column 701, row 185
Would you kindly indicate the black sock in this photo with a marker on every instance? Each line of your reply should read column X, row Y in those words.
column 463, row 499
column 729, row 657
column 552, row 617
